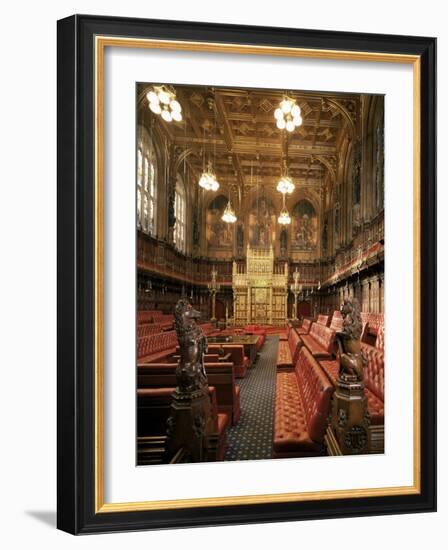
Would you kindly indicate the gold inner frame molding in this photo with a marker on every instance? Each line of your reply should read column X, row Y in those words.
column 101, row 43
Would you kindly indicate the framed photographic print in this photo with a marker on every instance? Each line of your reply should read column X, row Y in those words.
column 246, row 274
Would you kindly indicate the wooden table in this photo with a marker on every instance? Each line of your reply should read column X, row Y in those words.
column 249, row 341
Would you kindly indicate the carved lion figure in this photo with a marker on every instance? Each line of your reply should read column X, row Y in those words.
column 190, row 372
column 351, row 360
column 352, row 322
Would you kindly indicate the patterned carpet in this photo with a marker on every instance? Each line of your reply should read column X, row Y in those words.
column 251, row 438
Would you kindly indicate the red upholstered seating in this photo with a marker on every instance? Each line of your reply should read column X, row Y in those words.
column 155, row 347
column 374, row 382
column 221, row 375
column 302, row 401
column 322, row 320
column 165, row 321
column 147, row 329
column 209, row 329
column 331, row 368
column 319, row 341
column 288, row 351
column 144, row 316
column 153, row 410
column 372, row 324
column 336, row 321
column 239, row 360
column 305, row 328
column 285, row 334
column 379, row 342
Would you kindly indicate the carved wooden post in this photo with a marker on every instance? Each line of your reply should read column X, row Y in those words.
column 190, row 425
column 213, row 288
column 349, row 422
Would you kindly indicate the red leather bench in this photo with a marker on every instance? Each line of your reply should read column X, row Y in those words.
column 305, row 328
column 220, row 375
column 378, row 340
column 156, row 347
column 144, row 316
column 147, row 329
column 284, row 335
column 302, row 400
column 164, row 320
column 319, row 341
column 374, row 383
column 288, row 352
column 322, row 320
column 336, row 321
column 237, row 357
column 372, row 323
column 209, row 329
column 154, row 408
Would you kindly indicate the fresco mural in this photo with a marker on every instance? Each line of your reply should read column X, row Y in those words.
column 262, row 222
column 219, row 233
column 304, row 226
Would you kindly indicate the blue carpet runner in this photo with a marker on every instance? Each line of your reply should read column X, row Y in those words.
column 251, row 438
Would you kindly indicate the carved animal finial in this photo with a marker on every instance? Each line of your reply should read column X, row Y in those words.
column 351, row 360
column 352, row 322
column 190, row 372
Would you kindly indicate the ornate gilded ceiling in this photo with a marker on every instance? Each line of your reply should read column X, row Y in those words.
column 237, row 130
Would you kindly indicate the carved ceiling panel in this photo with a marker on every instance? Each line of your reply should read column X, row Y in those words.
column 236, row 129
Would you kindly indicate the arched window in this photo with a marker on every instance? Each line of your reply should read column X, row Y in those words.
column 180, row 213
column 146, row 183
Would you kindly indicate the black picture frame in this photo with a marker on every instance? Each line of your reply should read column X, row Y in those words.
column 76, row 511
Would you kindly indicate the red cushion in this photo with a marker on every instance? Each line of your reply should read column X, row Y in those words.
column 290, row 430
column 374, row 371
column 331, row 369
column 302, row 401
column 305, row 328
column 316, row 349
column 284, row 358
column 376, row 408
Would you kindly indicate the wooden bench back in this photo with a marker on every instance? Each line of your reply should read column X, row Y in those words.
column 220, row 375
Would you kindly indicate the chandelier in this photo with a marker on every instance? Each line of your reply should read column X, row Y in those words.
column 284, row 218
column 285, row 185
column 162, row 101
column 208, row 179
column 229, row 215
column 288, row 115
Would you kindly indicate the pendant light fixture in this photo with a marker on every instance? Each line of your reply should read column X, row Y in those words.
column 208, row 179
column 229, row 215
column 288, row 114
column 162, row 101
